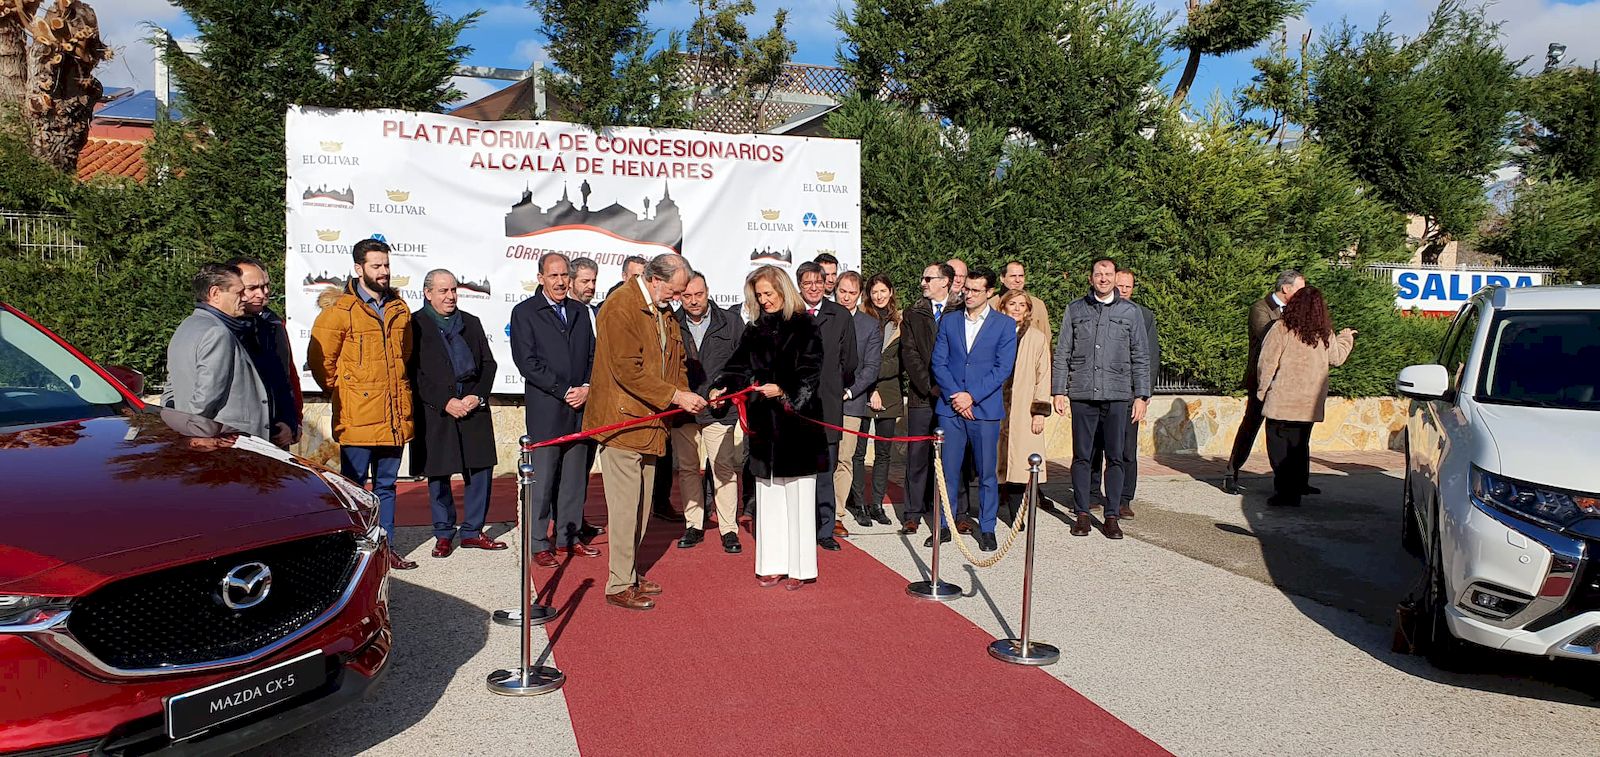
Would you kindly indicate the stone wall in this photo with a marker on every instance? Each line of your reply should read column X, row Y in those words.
column 1175, row 424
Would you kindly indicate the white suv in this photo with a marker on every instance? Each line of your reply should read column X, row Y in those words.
column 1502, row 479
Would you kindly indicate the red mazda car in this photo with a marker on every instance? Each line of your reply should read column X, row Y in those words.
column 168, row 584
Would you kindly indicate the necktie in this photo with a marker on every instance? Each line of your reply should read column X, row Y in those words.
column 561, row 313
column 938, row 310
column 811, row 312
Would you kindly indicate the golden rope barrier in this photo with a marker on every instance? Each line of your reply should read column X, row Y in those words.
column 949, row 517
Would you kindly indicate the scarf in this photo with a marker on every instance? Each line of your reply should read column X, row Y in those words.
column 452, row 327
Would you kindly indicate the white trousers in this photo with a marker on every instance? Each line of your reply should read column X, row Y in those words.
column 786, row 527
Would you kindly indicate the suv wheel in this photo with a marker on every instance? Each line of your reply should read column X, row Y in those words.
column 1410, row 530
column 1434, row 639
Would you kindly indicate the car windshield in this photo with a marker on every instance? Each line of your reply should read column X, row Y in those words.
column 41, row 382
column 1544, row 359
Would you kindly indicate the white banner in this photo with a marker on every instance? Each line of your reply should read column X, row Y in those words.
column 486, row 199
column 1435, row 291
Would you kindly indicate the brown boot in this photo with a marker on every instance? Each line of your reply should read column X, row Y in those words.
column 1111, row 529
column 1082, row 526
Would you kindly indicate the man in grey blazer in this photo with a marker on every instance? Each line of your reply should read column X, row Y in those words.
column 869, row 355
column 209, row 370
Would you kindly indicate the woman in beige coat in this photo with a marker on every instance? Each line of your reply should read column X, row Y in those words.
column 1027, row 397
column 1295, row 358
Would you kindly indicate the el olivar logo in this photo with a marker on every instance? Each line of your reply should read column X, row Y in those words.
column 323, row 196
column 770, row 221
column 323, row 246
column 824, row 185
column 330, row 155
column 399, row 204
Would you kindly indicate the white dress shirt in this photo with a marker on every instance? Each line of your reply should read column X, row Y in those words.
column 974, row 324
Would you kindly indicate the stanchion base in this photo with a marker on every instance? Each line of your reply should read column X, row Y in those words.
column 541, row 680
column 538, row 615
column 1010, row 650
column 926, row 590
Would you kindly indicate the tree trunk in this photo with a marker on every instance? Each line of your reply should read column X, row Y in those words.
column 63, row 91
column 1185, row 81
column 13, row 63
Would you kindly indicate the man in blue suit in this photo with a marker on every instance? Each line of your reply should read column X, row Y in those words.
column 972, row 357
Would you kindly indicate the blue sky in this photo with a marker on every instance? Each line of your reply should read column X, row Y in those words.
column 507, row 34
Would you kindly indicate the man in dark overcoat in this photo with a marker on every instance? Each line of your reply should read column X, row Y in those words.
column 839, row 357
column 552, row 343
column 452, row 371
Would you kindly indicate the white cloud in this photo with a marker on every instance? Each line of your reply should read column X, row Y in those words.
column 528, row 51
column 475, row 88
column 124, row 25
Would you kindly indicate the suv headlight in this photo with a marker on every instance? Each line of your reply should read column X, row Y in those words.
column 358, row 499
column 23, row 609
column 1553, row 506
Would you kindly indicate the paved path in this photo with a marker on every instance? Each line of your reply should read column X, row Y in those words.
column 1219, row 627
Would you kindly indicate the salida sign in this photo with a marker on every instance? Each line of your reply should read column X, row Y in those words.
column 1443, row 291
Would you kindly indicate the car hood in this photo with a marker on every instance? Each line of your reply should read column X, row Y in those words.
column 1546, row 446
column 90, row 500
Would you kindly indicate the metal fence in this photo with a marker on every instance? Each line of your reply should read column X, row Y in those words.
column 1383, row 271
column 46, row 235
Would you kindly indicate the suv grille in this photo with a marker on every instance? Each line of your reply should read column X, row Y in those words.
column 176, row 616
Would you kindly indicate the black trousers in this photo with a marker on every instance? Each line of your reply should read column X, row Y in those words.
column 1109, row 420
column 869, row 494
column 1245, row 437
column 919, row 458
column 1130, row 464
column 826, row 516
column 1289, row 449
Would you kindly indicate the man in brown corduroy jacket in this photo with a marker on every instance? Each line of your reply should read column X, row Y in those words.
column 639, row 371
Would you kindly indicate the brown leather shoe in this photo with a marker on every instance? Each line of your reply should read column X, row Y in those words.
column 580, row 549
column 1111, row 529
column 1127, row 511
column 909, row 527
column 483, row 542
column 629, row 599
column 442, row 547
column 396, row 562
column 1082, row 526
column 647, row 588
column 964, row 526
column 839, row 530
column 546, row 559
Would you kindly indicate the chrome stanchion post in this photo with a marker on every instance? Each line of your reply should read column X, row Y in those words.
column 526, row 680
column 1026, row 651
column 934, row 589
column 537, row 614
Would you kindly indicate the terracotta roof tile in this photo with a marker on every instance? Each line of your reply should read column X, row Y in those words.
column 114, row 157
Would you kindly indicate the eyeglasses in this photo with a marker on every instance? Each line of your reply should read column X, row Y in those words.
column 926, row 279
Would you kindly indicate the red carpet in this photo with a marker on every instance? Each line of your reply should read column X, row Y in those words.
column 723, row 666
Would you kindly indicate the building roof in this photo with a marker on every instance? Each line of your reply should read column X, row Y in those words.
column 139, row 107
column 495, row 106
column 111, row 157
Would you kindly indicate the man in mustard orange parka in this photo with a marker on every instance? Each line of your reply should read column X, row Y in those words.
column 359, row 348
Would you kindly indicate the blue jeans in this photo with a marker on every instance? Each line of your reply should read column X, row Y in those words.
column 383, row 465
column 983, row 437
column 443, row 500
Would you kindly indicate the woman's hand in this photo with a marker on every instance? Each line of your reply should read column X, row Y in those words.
column 1038, row 425
column 875, row 402
column 771, row 391
column 715, row 393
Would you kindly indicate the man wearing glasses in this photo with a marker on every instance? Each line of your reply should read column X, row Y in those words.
column 838, row 371
column 272, row 357
column 920, row 324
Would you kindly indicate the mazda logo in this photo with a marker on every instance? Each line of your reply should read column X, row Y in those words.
column 246, row 586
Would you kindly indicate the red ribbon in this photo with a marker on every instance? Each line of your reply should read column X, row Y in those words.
column 866, row 435
column 737, row 398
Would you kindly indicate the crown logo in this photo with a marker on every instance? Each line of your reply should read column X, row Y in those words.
column 399, row 195
column 825, row 252
column 531, row 285
column 328, row 235
column 826, row 177
column 399, row 281
column 770, row 215
column 332, row 146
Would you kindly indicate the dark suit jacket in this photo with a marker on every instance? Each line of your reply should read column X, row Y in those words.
column 1155, row 344
column 552, row 358
column 839, row 360
column 917, row 330
column 445, row 445
column 1262, row 315
column 705, row 362
column 980, row 372
column 869, row 358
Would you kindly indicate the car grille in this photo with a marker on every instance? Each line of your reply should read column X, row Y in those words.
column 1585, row 596
column 176, row 616
column 1588, row 638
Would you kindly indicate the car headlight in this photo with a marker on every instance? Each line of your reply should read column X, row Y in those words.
column 358, row 499
column 1553, row 506
column 23, row 609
